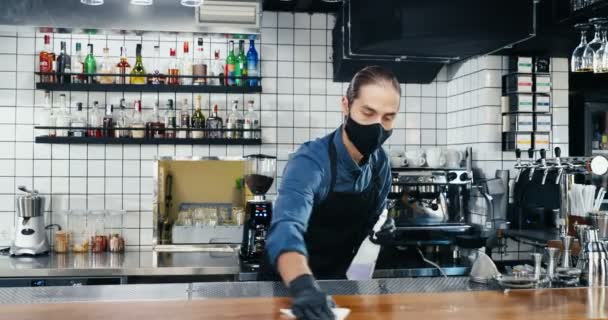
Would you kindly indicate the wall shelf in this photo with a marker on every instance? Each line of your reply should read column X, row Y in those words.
column 144, row 88
column 146, row 141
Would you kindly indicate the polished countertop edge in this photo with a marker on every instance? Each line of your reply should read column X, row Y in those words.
column 120, row 272
column 196, row 291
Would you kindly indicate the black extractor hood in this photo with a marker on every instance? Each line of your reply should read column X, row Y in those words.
column 417, row 38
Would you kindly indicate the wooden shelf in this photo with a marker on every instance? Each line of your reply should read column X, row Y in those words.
column 144, row 88
column 146, row 141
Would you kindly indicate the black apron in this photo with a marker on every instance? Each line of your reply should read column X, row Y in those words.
column 336, row 228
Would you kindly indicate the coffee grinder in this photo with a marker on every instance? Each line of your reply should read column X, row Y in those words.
column 260, row 171
column 30, row 234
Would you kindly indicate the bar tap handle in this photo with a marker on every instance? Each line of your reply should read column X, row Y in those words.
column 558, row 161
column 518, row 164
column 558, row 154
column 543, row 164
column 532, row 165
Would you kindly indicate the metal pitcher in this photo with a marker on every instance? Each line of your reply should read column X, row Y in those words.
column 595, row 260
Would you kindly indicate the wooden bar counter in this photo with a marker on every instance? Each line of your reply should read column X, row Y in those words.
column 546, row 304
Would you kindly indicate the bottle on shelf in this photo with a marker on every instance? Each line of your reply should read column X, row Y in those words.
column 186, row 66
column 122, row 121
column 596, row 143
column 217, row 70
column 123, row 67
column 138, row 122
column 45, row 60
column 170, row 120
column 108, row 122
column 173, row 71
column 138, row 73
column 96, row 120
column 240, row 70
column 90, row 65
column 234, row 122
column 155, row 76
column 107, row 68
column 155, row 127
column 64, row 65
column 45, row 118
column 214, row 122
column 184, row 120
column 79, row 122
column 62, row 117
column 198, row 120
column 252, row 122
column 199, row 68
column 78, row 65
column 253, row 70
column 230, row 65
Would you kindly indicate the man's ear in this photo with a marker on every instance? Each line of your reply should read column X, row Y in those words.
column 344, row 107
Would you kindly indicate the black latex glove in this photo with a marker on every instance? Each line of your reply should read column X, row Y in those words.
column 309, row 302
column 386, row 234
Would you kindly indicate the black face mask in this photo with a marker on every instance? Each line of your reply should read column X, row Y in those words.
column 366, row 138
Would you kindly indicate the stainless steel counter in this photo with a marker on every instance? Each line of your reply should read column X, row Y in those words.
column 192, row 291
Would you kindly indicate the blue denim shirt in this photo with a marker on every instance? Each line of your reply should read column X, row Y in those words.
column 306, row 183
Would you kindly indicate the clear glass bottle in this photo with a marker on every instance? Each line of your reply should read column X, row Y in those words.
column 186, row 65
column 78, row 65
column 217, row 70
column 138, row 73
column 79, row 122
column 198, row 120
column 122, row 120
column 123, row 67
column 64, row 65
column 173, row 70
column 45, row 117
column 214, row 122
column 234, row 123
column 199, row 68
column 138, row 122
column 155, row 127
column 109, row 122
column 170, row 120
column 252, row 121
column 107, row 68
column 155, row 76
column 184, row 121
column 96, row 120
column 62, row 117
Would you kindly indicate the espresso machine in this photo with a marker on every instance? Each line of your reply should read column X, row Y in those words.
column 260, row 171
column 30, row 234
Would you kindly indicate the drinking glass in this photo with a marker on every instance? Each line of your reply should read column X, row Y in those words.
column 594, row 45
column 598, row 57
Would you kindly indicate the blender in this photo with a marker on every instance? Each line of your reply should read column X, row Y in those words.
column 260, row 171
column 30, row 234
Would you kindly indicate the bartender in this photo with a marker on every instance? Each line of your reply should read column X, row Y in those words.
column 332, row 193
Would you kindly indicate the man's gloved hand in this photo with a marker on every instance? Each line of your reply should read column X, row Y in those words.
column 309, row 302
column 386, row 234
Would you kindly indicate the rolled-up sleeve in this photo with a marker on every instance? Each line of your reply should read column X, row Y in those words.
column 302, row 177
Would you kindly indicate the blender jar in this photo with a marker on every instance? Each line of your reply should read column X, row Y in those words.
column 114, row 225
column 99, row 239
column 77, row 228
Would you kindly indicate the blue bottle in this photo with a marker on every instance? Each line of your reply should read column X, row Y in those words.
column 253, row 66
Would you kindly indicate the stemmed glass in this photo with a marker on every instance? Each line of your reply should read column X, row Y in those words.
column 598, row 57
column 577, row 62
column 593, row 45
column 603, row 51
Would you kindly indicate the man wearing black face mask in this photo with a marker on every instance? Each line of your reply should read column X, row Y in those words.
column 332, row 193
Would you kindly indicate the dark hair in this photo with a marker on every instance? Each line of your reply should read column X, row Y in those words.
column 370, row 75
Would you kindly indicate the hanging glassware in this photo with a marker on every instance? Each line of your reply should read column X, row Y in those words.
column 601, row 56
column 593, row 45
column 577, row 64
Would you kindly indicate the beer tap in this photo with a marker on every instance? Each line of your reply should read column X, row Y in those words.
column 543, row 165
column 559, row 166
column 532, row 165
column 518, row 164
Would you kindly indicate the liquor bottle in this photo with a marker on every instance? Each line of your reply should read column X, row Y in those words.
column 184, row 120
column 62, row 117
column 96, row 120
column 252, row 65
column 79, row 122
column 123, row 67
column 199, row 68
column 45, row 60
column 45, row 118
column 217, row 70
column 78, row 65
column 155, row 127
column 173, row 72
column 252, row 121
column 138, row 122
column 155, row 76
column 90, row 65
column 64, row 65
column 186, row 65
column 214, row 122
column 230, row 65
column 596, row 142
column 240, row 70
column 138, row 73
column 109, row 122
column 107, row 67
column 170, row 120
column 198, row 120
column 234, row 123
column 122, row 121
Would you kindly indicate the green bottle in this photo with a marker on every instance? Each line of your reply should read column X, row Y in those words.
column 241, row 65
column 230, row 65
column 138, row 73
column 90, row 66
